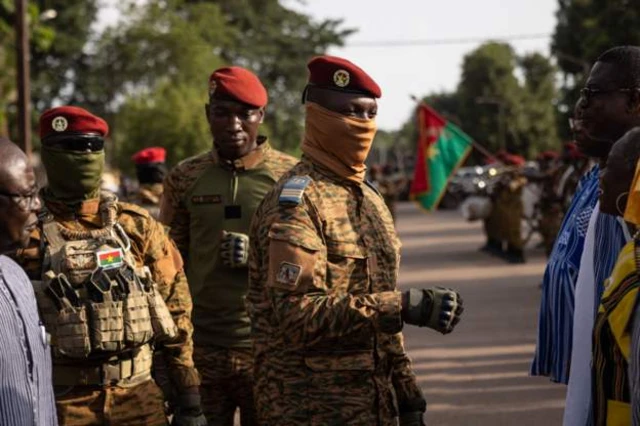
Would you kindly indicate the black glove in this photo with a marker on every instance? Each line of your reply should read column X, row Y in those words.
column 414, row 418
column 187, row 411
column 437, row 308
column 234, row 249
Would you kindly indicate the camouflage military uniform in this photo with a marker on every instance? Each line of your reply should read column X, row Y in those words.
column 203, row 196
column 81, row 396
column 148, row 197
column 324, row 309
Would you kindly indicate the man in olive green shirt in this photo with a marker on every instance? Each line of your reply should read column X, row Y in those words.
column 208, row 202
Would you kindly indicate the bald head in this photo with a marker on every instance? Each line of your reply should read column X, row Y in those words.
column 19, row 203
column 13, row 163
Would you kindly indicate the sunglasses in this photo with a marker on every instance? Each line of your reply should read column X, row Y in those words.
column 77, row 142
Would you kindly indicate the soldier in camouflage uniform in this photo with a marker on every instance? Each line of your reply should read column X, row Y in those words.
column 325, row 312
column 110, row 288
column 150, row 171
column 209, row 202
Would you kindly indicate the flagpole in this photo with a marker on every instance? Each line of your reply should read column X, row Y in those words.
column 481, row 149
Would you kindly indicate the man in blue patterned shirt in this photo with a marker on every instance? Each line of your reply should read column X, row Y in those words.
column 26, row 391
column 606, row 110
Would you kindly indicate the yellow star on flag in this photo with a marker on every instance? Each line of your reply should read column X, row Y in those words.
column 433, row 151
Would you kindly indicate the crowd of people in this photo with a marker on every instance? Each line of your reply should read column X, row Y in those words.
column 552, row 180
column 247, row 280
column 267, row 284
column 588, row 331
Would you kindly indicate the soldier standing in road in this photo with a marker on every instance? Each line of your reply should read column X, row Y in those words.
column 209, row 201
column 325, row 312
column 504, row 223
column 150, row 170
column 510, row 200
column 110, row 287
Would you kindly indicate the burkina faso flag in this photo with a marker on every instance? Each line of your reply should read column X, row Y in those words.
column 110, row 258
column 442, row 148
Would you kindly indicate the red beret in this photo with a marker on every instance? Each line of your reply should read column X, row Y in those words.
column 154, row 154
column 571, row 148
column 515, row 160
column 336, row 73
column 70, row 120
column 238, row 83
column 548, row 155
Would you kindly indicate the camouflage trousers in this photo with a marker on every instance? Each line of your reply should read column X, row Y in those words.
column 227, row 384
column 141, row 404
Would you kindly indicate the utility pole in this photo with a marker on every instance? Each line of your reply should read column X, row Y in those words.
column 24, row 78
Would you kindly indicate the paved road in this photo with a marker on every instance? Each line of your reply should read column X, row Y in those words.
column 478, row 375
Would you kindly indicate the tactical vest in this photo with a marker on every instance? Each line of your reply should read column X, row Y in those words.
column 95, row 302
column 612, row 342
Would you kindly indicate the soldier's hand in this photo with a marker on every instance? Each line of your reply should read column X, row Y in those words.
column 414, row 418
column 187, row 410
column 437, row 308
column 234, row 249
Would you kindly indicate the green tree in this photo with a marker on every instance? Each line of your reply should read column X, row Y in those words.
column 488, row 85
column 539, row 131
column 276, row 43
column 149, row 75
column 488, row 93
column 56, row 66
column 41, row 40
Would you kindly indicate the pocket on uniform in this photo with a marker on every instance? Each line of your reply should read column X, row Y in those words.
column 347, row 269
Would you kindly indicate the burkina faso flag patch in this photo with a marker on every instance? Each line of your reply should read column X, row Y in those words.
column 111, row 258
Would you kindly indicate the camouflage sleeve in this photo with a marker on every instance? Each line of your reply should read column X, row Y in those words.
column 408, row 392
column 296, row 268
column 174, row 214
column 165, row 263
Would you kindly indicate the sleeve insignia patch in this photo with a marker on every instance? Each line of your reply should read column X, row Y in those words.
column 288, row 274
column 293, row 190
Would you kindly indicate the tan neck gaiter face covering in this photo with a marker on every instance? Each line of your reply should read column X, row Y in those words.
column 338, row 142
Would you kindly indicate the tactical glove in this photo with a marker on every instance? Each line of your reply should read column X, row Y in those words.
column 234, row 249
column 187, row 411
column 414, row 418
column 437, row 308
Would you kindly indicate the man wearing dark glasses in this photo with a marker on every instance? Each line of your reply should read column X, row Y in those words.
column 26, row 393
column 110, row 287
column 587, row 245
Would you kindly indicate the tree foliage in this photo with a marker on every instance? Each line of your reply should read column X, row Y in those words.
column 489, row 86
column 276, row 43
column 42, row 38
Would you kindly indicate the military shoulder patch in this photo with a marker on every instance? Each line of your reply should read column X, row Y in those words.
column 288, row 274
column 293, row 190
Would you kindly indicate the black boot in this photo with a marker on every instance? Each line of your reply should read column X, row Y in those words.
column 493, row 247
column 514, row 255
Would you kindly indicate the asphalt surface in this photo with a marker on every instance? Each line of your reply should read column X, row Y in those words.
column 478, row 375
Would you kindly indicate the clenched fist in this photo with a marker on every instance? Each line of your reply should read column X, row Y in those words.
column 234, row 249
column 437, row 308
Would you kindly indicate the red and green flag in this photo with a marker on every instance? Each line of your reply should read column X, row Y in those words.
column 442, row 148
column 108, row 259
